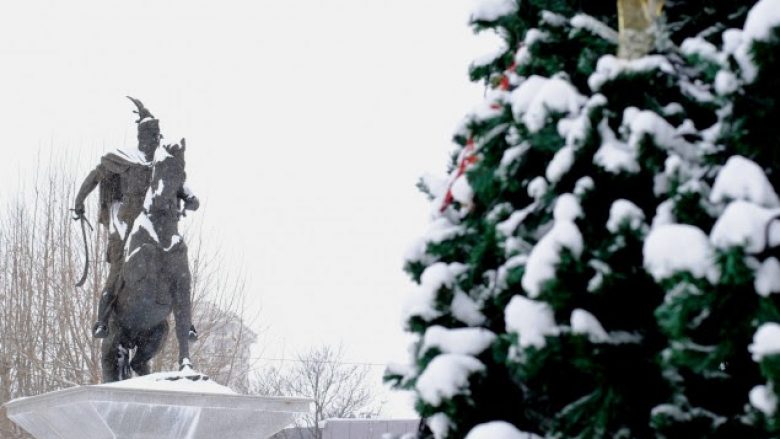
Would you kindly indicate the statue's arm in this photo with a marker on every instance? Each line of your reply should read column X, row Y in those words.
column 191, row 201
column 87, row 187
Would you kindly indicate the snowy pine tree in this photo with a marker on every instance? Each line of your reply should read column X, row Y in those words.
column 597, row 263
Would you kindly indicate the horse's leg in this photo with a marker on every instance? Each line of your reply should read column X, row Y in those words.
column 109, row 355
column 148, row 346
column 179, row 272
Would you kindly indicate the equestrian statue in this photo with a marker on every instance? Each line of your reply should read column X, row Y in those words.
column 141, row 192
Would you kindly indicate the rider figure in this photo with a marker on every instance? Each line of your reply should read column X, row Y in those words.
column 124, row 175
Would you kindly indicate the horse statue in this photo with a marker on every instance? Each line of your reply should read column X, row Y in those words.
column 155, row 277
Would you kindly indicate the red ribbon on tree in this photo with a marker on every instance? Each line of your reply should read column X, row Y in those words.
column 467, row 158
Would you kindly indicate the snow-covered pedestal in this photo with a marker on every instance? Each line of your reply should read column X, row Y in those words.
column 156, row 406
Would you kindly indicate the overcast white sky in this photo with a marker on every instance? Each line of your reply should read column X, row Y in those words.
column 308, row 123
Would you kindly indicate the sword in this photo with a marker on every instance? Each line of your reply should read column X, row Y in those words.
column 83, row 219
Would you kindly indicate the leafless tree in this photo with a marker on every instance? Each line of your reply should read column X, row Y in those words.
column 338, row 389
column 45, row 322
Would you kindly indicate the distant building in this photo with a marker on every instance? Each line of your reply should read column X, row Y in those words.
column 224, row 348
column 353, row 429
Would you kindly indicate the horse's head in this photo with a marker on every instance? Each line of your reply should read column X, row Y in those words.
column 168, row 177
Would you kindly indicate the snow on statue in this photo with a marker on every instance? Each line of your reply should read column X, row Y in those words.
column 140, row 191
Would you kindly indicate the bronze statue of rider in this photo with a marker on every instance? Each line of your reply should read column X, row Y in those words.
column 123, row 177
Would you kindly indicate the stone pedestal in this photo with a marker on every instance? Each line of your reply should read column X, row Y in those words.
column 106, row 412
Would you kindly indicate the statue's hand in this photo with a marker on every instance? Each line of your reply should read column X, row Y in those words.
column 78, row 211
column 192, row 203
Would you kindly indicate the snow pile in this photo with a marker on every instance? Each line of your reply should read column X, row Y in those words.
column 702, row 48
column 537, row 97
column 465, row 309
column 613, row 155
column 439, row 424
column 530, row 320
column 183, row 381
column 766, row 341
column 745, row 224
column 764, row 399
column 461, row 191
column 532, row 36
column 509, row 225
column 584, row 21
column 447, row 375
column 422, row 301
column 673, row 248
column 767, row 279
column 726, row 83
column 610, row 67
column 762, row 18
column 465, row 341
column 743, row 179
column 648, row 123
column 498, row 430
column 537, row 187
column 546, row 254
column 583, row 322
column 624, row 212
column 491, row 10
column 560, row 164
column 440, row 229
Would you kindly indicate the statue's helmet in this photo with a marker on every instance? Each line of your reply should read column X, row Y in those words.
column 148, row 126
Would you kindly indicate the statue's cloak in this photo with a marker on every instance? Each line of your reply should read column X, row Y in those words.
column 112, row 165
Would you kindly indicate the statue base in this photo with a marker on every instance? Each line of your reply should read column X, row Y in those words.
column 154, row 409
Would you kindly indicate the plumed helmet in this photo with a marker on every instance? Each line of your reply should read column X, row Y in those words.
column 147, row 124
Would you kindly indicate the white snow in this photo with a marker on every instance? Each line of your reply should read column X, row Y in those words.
column 767, row 280
column 183, row 381
column 511, row 155
column 546, row 253
column 530, row 320
column 610, row 67
column 439, row 424
column 560, row 164
column 465, row 309
column 537, row 187
column 583, row 186
column 664, row 214
column 584, row 21
column 766, row 341
column 613, row 155
column 447, row 375
column 742, row 179
column 490, row 57
column 732, row 38
column 117, row 225
column 440, row 229
column 462, row 191
column 567, row 208
column 726, row 83
column 646, row 122
column 537, row 97
column 509, row 225
column 762, row 18
column 466, row 341
column 701, row 47
column 133, row 154
column 624, row 211
column 745, row 224
column 491, row 10
column 498, row 430
column 673, row 248
column 421, row 302
column 583, row 322
column 764, row 399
